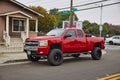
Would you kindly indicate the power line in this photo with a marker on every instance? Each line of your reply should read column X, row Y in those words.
column 81, row 1
column 47, row 3
column 76, row 2
column 85, row 4
column 99, row 6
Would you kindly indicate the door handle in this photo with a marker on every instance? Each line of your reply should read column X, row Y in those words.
column 75, row 40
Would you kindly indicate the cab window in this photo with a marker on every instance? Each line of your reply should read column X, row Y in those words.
column 71, row 32
column 80, row 33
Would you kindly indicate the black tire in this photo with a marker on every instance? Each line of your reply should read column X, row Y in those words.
column 111, row 42
column 96, row 53
column 55, row 57
column 32, row 58
column 76, row 55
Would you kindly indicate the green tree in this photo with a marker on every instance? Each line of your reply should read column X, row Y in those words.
column 53, row 11
column 45, row 23
column 108, row 29
column 93, row 28
column 86, row 26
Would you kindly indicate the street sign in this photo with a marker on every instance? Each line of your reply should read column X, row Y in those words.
column 74, row 9
column 67, row 11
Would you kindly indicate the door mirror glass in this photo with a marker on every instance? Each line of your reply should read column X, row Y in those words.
column 67, row 35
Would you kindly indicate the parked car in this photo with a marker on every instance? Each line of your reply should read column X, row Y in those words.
column 59, row 43
column 113, row 40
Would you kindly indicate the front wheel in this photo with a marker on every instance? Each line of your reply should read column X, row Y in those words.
column 96, row 53
column 55, row 57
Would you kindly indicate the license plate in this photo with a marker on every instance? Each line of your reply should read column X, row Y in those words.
column 29, row 52
column 30, row 48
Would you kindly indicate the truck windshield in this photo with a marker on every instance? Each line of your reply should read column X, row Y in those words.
column 55, row 32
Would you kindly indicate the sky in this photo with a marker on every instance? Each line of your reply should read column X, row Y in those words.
column 110, row 14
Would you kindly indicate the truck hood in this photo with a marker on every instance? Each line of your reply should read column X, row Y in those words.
column 44, row 38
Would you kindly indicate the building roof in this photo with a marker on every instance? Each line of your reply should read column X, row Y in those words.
column 117, row 27
column 9, row 13
column 26, row 7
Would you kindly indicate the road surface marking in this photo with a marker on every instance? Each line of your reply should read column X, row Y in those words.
column 111, row 77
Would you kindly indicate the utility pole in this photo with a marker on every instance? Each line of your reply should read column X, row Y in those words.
column 71, row 13
column 101, row 28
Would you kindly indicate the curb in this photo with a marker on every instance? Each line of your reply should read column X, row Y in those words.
column 11, row 52
column 12, row 57
column 13, row 61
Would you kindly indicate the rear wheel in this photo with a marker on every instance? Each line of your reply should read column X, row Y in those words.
column 32, row 58
column 55, row 57
column 96, row 53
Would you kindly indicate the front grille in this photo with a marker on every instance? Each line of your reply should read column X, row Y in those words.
column 31, row 45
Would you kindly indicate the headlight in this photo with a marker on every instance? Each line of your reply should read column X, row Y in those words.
column 43, row 43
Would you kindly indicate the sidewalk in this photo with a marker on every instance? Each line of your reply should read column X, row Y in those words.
column 12, row 57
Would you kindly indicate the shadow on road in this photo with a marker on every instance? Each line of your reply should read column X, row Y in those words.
column 67, row 60
column 79, row 59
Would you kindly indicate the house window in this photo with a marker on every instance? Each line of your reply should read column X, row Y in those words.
column 18, row 25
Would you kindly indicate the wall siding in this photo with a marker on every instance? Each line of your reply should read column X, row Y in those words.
column 5, row 7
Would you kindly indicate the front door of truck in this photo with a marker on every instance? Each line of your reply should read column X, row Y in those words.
column 70, row 43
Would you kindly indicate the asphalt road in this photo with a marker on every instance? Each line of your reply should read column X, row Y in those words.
column 83, row 68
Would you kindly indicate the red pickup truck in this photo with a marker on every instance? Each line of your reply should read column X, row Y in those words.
column 63, row 42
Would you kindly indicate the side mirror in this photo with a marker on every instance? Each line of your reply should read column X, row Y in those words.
column 88, row 35
column 67, row 35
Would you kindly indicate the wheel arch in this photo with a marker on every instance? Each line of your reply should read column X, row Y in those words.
column 97, row 45
column 56, row 46
column 111, row 42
